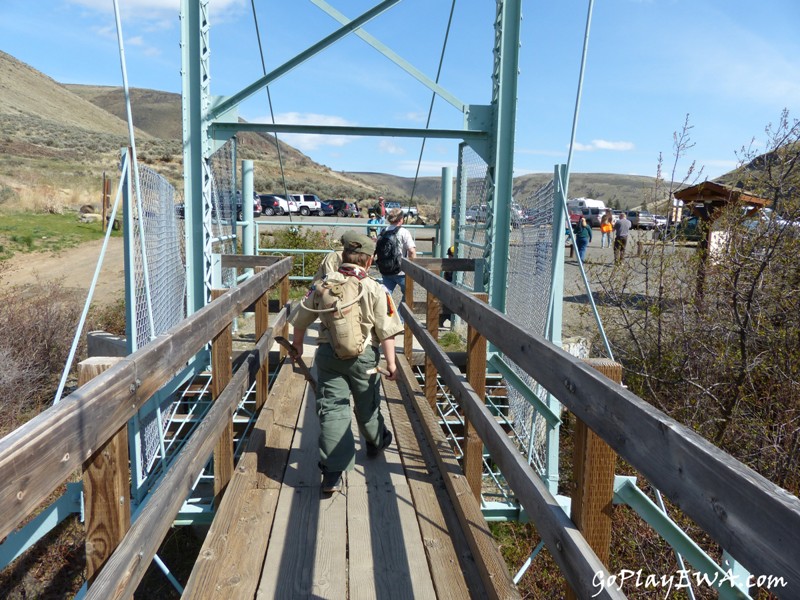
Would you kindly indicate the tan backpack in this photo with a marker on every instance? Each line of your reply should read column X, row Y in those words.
column 337, row 301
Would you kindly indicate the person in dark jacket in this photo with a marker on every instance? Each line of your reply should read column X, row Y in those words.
column 583, row 235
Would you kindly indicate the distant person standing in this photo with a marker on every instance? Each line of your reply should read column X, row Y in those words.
column 606, row 227
column 394, row 243
column 382, row 207
column 622, row 229
column 583, row 236
column 373, row 224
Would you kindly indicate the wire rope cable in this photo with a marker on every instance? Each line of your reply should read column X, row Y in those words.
column 90, row 294
column 589, row 294
column 135, row 165
column 271, row 111
column 565, row 183
column 433, row 99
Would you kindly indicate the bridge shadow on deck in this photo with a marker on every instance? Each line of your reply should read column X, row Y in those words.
column 348, row 544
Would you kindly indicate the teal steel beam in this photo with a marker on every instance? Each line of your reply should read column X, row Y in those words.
column 507, row 32
column 446, row 219
column 394, row 57
column 193, row 100
column 519, row 385
column 16, row 543
column 409, row 132
column 627, row 492
column 300, row 58
column 555, row 314
column 249, row 227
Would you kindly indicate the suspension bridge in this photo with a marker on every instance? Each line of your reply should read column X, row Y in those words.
column 196, row 423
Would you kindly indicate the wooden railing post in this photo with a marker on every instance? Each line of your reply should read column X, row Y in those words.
column 106, row 485
column 593, row 472
column 476, row 375
column 221, row 373
column 432, row 321
column 262, row 324
column 408, row 337
column 284, row 300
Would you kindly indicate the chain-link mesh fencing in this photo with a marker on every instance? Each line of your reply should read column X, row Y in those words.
column 159, row 282
column 223, row 211
column 530, row 273
column 158, row 244
column 474, row 187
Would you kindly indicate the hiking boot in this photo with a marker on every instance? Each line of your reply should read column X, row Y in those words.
column 332, row 482
column 373, row 450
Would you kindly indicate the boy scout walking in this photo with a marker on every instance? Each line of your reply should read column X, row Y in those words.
column 347, row 348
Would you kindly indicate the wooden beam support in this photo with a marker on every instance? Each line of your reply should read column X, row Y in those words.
column 106, row 485
column 408, row 339
column 261, row 325
column 221, row 371
column 284, row 294
column 593, row 472
column 432, row 320
column 476, row 375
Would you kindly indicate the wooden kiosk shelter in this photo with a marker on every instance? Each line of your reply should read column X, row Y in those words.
column 707, row 198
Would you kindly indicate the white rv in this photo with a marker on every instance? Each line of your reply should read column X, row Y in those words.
column 588, row 207
column 576, row 204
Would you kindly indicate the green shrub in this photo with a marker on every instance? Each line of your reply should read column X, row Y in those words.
column 299, row 238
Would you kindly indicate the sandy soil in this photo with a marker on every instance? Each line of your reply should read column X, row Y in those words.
column 74, row 267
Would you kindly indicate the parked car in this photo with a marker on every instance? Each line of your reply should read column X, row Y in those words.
column 180, row 208
column 273, row 204
column 339, row 208
column 661, row 220
column 326, row 210
column 240, row 211
column 641, row 219
column 307, row 204
column 354, row 210
column 476, row 213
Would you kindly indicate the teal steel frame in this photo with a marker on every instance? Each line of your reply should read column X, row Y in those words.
column 209, row 121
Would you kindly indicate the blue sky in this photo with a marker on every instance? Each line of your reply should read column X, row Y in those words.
column 731, row 65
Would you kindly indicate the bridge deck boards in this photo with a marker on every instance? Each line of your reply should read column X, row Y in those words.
column 388, row 534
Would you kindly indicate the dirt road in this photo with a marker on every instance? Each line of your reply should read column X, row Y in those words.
column 73, row 267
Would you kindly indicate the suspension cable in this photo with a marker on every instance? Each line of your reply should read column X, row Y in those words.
column 271, row 111
column 135, row 165
column 433, row 99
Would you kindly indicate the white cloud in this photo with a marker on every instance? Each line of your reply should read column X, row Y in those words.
column 389, row 147
column 604, row 145
column 310, row 141
column 415, row 117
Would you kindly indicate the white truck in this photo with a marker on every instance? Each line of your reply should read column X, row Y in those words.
column 307, row 204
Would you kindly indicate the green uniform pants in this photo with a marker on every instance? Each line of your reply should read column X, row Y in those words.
column 338, row 379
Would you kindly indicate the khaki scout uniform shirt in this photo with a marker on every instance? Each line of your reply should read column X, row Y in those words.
column 329, row 264
column 379, row 318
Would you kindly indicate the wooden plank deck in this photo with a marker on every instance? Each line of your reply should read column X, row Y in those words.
column 391, row 533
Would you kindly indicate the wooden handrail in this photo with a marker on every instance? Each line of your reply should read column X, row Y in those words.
column 43, row 453
column 121, row 575
column 569, row 549
column 713, row 488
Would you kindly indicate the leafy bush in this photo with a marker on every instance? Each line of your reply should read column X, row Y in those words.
column 299, row 238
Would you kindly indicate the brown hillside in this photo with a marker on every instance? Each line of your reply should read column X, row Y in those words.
column 25, row 92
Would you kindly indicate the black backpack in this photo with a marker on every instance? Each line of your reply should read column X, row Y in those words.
column 388, row 252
